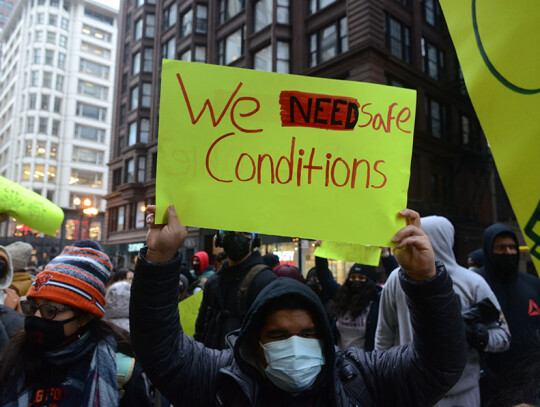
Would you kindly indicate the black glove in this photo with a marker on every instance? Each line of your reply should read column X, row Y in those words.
column 477, row 335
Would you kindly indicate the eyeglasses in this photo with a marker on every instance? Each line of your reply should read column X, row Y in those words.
column 47, row 311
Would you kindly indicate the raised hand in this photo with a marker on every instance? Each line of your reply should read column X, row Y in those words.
column 163, row 241
column 414, row 252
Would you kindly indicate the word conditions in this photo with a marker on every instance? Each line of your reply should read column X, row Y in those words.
column 300, row 109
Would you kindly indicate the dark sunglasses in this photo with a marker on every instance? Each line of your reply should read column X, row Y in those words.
column 47, row 311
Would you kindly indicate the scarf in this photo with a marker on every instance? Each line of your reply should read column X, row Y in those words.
column 93, row 385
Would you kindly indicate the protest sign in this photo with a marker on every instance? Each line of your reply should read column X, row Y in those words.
column 29, row 208
column 369, row 255
column 189, row 310
column 283, row 154
column 498, row 43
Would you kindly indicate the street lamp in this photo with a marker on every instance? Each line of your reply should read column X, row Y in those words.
column 87, row 209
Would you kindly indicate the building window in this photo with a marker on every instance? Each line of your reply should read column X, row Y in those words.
column 43, row 125
column 94, row 50
column 200, row 53
column 136, row 66
column 316, row 5
column 37, row 56
column 398, row 39
column 433, row 60
column 54, row 149
column 41, row 18
column 186, row 56
column 51, row 37
column 169, row 48
column 148, row 62
column 98, row 17
column 61, row 60
column 87, row 155
column 329, row 42
column 129, row 173
column 128, row 23
column 53, row 20
column 116, row 178
column 32, row 101
column 186, row 23
column 229, row 8
column 137, row 34
column 45, row 102
column 39, row 36
column 154, row 166
column 432, row 13
column 63, row 41
column 121, row 218
column 282, row 12
column 86, row 178
column 436, row 118
column 132, row 135
column 94, row 69
column 263, row 15
column 134, row 98
column 91, row 112
column 30, row 124
column 97, row 33
column 141, row 169
column 55, row 129
column 122, row 116
column 150, row 28
column 93, row 90
column 59, row 83
column 26, row 172
column 169, row 16
column 34, row 78
column 283, row 57
column 83, row 132
column 64, row 24
column 201, row 22
column 146, row 97
column 232, row 47
column 145, row 131
column 57, row 104
column 49, row 57
column 263, row 59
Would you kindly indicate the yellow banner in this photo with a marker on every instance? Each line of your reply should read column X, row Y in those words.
column 368, row 255
column 29, row 208
column 498, row 45
column 282, row 154
column 189, row 310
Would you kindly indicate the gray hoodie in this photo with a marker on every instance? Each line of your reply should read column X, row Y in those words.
column 394, row 325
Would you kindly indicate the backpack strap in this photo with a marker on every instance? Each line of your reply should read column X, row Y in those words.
column 124, row 371
column 242, row 297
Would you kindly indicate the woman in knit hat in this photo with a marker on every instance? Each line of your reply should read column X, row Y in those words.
column 67, row 355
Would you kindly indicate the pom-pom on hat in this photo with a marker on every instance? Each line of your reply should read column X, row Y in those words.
column 75, row 277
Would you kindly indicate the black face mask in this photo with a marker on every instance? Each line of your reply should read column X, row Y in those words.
column 3, row 270
column 43, row 334
column 236, row 246
column 196, row 267
column 356, row 285
column 506, row 264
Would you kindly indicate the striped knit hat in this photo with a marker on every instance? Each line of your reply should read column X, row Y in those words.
column 75, row 277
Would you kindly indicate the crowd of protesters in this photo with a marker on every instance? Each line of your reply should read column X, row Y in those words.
column 430, row 332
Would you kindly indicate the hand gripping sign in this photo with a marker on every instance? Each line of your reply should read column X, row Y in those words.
column 29, row 208
column 283, row 154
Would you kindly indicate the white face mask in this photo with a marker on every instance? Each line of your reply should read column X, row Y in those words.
column 293, row 363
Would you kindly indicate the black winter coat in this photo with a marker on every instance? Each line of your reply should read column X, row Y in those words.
column 189, row 374
column 220, row 312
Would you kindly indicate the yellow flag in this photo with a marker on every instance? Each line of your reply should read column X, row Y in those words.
column 368, row 255
column 498, row 46
column 283, row 154
column 189, row 310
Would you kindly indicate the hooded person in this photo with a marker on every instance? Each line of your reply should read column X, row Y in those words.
column 519, row 295
column 475, row 260
column 8, row 296
column 284, row 353
column 67, row 355
column 20, row 253
column 117, row 305
column 395, row 327
column 201, row 267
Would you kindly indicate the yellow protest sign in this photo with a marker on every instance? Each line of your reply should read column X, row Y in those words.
column 368, row 255
column 283, row 154
column 498, row 46
column 29, row 208
column 189, row 310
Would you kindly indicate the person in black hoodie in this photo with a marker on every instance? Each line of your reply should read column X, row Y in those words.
column 284, row 353
column 519, row 296
column 228, row 294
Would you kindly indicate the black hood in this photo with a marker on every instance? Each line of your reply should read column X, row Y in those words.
column 281, row 288
column 489, row 238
